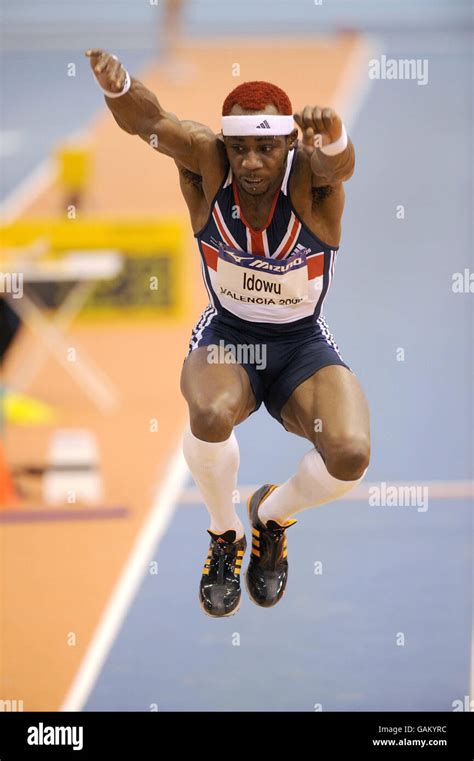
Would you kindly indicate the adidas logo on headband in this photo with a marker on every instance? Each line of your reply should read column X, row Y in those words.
column 252, row 124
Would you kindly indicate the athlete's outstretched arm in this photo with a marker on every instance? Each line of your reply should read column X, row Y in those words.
column 138, row 112
column 327, row 170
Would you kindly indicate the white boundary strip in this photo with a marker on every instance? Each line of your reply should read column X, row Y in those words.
column 355, row 84
column 37, row 181
column 159, row 517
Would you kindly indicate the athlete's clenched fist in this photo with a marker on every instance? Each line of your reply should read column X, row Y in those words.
column 107, row 69
column 318, row 121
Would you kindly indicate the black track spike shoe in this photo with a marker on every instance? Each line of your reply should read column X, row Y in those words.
column 219, row 590
column 267, row 572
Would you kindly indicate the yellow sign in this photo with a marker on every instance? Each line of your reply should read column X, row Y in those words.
column 152, row 279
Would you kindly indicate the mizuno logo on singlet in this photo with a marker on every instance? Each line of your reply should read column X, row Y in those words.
column 259, row 263
column 263, row 125
column 262, row 265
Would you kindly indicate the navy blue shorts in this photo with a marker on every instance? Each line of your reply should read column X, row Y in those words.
column 275, row 365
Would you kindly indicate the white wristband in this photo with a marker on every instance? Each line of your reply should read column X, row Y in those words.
column 125, row 88
column 339, row 145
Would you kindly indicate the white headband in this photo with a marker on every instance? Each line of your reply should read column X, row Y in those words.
column 257, row 124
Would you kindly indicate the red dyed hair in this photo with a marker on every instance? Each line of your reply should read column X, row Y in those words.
column 254, row 96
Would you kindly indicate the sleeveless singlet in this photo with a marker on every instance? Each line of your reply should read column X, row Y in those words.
column 277, row 276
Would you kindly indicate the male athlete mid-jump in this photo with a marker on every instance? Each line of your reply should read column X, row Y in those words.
column 266, row 213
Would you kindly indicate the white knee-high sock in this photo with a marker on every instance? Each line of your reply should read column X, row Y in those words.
column 214, row 466
column 312, row 485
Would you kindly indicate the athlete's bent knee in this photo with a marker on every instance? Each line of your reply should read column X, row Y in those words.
column 212, row 419
column 348, row 457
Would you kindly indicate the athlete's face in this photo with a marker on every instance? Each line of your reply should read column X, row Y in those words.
column 258, row 163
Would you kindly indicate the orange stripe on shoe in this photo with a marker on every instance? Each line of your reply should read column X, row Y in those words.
column 271, row 489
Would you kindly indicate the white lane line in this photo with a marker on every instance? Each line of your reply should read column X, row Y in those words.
column 436, row 490
column 26, row 192
column 355, row 83
column 35, row 183
column 153, row 529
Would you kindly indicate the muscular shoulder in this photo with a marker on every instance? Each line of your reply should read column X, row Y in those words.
column 206, row 142
column 212, row 157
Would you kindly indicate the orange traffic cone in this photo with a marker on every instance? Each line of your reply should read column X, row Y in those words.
column 8, row 494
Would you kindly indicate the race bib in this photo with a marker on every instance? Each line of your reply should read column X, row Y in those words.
column 274, row 282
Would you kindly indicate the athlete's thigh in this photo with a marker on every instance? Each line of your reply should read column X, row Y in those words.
column 209, row 383
column 329, row 406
